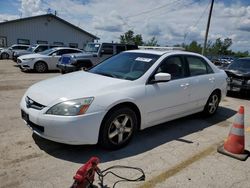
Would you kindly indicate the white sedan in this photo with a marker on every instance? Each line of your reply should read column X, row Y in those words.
column 44, row 61
column 127, row 92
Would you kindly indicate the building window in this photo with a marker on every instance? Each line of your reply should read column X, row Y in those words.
column 73, row 45
column 41, row 42
column 58, row 43
column 23, row 41
column 3, row 41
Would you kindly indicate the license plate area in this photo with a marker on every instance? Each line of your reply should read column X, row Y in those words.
column 25, row 116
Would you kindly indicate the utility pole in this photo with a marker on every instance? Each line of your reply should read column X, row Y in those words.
column 208, row 25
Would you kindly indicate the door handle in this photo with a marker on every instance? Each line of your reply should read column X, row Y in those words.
column 185, row 85
column 211, row 79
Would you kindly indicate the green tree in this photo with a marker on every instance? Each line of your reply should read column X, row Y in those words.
column 221, row 47
column 151, row 42
column 129, row 38
column 194, row 47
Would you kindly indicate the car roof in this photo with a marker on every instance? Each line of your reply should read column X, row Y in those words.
column 162, row 52
column 60, row 48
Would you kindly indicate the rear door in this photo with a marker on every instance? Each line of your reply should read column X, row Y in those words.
column 202, row 80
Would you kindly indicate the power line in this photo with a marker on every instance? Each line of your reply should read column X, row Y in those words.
column 152, row 10
column 181, row 6
column 207, row 29
column 197, row 21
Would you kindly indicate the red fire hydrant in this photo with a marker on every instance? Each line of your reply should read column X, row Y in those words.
column 85, row 175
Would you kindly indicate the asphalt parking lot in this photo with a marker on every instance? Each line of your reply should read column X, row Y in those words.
column 180, row 153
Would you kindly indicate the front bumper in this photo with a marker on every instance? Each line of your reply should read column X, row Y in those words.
column 238, row 85
column 74, row 130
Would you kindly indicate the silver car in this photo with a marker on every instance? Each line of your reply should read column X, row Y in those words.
column 6, row 53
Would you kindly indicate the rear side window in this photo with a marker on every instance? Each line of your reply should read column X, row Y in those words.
column 23, row 47
column 198, row 66
column 120, row 49
column 107, row 49
column 131, row 47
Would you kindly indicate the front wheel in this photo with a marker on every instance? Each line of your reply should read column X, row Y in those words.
column 212, row 104
column 118, row 128
column 40, row 67
column 5, row 56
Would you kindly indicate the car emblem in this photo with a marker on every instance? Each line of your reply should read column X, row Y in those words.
column 29, row 102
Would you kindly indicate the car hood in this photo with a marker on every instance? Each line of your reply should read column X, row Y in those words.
column 241, row 73
column 25, row 52
column 73, row 86
column 33, row 56
column 84, row 55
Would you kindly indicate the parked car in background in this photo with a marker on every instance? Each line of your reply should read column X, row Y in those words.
column 35, row 48
column 130, row 91
column 239, row 75
column 93, row 54
column 44, row 61
column 6, row 53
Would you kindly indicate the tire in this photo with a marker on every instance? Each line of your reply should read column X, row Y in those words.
column 40, row 67
column 212, row 104
column 118, row 128
column 62, row 71
column 5, row 55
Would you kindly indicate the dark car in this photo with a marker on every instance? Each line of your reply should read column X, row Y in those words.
column 93, row 54
column 239, row 75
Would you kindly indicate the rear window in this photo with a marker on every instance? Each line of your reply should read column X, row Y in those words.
column 198, row 66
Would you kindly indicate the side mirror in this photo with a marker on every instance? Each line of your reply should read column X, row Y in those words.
column 161, row 77
column 54, row 54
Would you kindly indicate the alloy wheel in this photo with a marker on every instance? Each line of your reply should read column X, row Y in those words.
column 120, row 129
column 213, row 103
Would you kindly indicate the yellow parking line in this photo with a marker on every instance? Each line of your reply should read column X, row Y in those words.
column 179, row 167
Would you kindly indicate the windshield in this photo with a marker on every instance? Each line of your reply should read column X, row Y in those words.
column 47, row 52
column 240, row 64
column 31, row 48
column 128, row 66
column 91, row 47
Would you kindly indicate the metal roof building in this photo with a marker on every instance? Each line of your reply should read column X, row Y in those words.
column 43, row 29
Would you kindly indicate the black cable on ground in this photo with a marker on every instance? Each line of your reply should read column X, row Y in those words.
column 107, row 171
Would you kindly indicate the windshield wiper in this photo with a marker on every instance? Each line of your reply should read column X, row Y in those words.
column 106, row 74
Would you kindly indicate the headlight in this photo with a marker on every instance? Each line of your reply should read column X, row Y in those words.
column 248, row 82
column 28, row 59
column 71, row 107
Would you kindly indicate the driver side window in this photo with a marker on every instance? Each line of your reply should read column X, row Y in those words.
column 174, row 66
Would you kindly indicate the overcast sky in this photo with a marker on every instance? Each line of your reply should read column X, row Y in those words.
column 170, row 21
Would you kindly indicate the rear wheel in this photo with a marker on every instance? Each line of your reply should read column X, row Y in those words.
column 212, row 104
column 5, row 56
column 41, row 67
column 118, row 128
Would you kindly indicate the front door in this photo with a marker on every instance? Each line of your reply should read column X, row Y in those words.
column 167, row 99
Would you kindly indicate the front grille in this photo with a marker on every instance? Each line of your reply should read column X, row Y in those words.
column 33, row 104
column 65, row 60
column 236, row 81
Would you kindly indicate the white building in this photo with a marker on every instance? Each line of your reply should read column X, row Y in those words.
column 43, row 29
